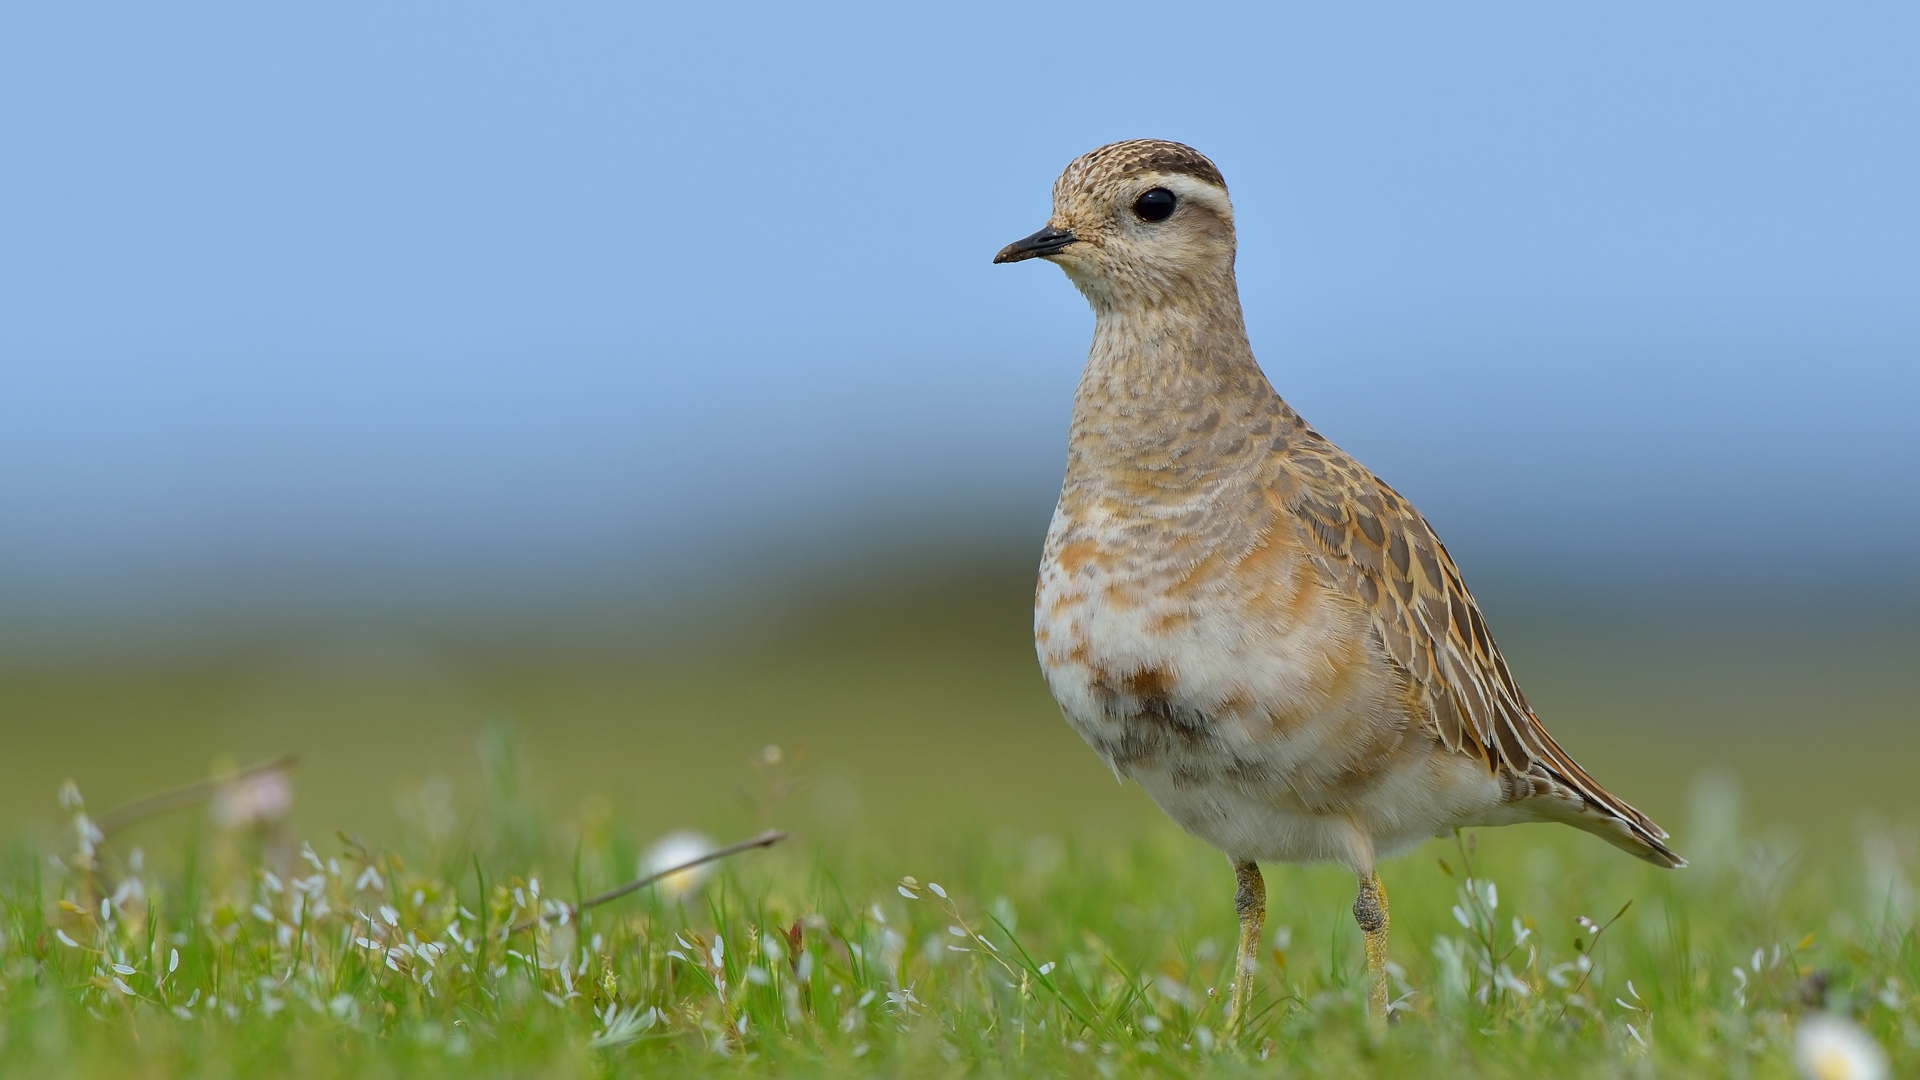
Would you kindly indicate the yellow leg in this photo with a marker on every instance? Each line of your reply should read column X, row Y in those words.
column 1370, row 911
column 1250, row 901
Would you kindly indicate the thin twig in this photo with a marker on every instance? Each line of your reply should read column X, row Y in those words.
column 765, row 839
column 1588, row 953
column 186, row 795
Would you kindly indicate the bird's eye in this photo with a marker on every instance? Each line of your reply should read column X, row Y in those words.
column 1155, row 205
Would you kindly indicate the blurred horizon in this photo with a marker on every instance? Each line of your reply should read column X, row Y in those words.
column 912, row 705
column 322, row 320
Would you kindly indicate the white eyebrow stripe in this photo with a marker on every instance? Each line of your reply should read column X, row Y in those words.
column 1208, row 195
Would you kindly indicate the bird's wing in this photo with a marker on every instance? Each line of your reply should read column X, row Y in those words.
column 1373, row 545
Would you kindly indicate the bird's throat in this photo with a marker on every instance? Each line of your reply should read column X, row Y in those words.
column 1170, row 393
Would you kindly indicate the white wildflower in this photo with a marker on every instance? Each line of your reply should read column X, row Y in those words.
column 676, row 849
column 1829, row 1047
column 256, row 799
column 622, row 1026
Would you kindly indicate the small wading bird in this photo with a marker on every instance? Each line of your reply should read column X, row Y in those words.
column 1240, row 617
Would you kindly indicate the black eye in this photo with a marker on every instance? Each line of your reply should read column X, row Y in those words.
column 1155, row 205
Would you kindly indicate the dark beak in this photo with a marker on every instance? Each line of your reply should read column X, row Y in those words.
column 1046, row 242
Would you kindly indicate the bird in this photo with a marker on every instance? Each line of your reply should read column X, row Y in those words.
column 1240, row 617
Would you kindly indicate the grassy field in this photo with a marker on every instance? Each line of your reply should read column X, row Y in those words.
column 372, row 931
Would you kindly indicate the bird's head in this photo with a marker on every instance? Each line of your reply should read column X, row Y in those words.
column 1141, row 222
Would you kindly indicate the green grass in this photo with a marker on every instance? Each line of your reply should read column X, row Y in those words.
column 253, row 953
column 920, row 743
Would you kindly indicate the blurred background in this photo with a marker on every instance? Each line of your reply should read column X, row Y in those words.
column 634, row 378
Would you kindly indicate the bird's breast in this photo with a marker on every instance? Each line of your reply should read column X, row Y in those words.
column 1198, row 646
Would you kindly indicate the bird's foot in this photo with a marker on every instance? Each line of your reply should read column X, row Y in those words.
column 1250, row 902
column 1370, row 911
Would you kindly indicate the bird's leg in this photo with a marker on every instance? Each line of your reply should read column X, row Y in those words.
column 1370, row 911
column 1250, row 902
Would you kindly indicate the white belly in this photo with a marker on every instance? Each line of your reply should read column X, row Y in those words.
column 1262, row 720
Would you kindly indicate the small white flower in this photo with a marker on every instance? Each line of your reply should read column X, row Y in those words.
column 624, row 1026
column 676, row 849
column 64, row 939
column 1046, row 968
column 391, row 916
column 1829, row 1047
column 258, row 799
column 937, row 890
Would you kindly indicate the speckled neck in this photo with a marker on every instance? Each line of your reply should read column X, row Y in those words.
column 1171, row 394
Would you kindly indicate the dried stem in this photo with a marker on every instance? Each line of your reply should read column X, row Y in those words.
column 140, row 810
column 765, row 839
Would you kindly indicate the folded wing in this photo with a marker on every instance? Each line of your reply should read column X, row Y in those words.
column 1374, row 545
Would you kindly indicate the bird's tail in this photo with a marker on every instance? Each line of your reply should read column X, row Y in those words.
column 1632, row 832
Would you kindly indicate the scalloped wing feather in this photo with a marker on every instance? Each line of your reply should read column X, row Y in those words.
column 1372, row 543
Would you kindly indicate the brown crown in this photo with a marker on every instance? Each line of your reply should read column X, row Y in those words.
column 1135, row 156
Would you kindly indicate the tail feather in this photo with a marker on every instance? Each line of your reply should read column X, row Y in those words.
column 1584, row 804
column 1637, row 835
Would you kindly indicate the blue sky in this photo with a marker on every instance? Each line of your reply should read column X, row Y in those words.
column 307, row 301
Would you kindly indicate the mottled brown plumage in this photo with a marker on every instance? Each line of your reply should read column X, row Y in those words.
column 1235, row 613
column 1376, row 545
